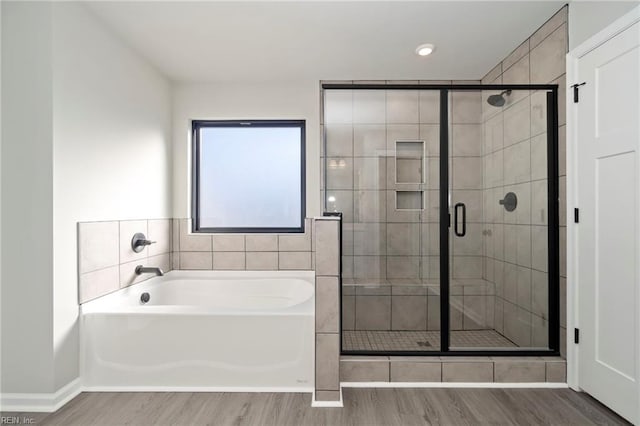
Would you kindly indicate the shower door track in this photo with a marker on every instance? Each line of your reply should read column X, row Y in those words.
column 553, row 218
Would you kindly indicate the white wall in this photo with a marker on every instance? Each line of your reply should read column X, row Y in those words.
column 290, row 100
column 27, row 198
column 112, row 151
column 0, row 194
column 587, row 18
column 86, row 136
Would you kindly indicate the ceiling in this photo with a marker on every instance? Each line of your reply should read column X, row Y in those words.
column 275, row 41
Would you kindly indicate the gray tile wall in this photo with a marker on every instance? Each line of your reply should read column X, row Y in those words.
column 407, row 305
column 515, row 159
column 466, row 181
column 106, row 261
column 326, row 243
column 257, row 252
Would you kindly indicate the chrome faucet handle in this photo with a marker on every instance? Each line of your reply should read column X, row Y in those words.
column 139, row 242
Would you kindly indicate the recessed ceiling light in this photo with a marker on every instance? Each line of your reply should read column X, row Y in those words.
column 425, row 49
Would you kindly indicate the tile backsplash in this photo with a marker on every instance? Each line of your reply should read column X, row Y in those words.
column 106, row 261
column 257, row 252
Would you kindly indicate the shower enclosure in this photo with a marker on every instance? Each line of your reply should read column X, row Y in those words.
column 449, row 201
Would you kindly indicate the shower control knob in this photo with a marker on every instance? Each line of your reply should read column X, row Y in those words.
column 510, row 201
column 139, row 242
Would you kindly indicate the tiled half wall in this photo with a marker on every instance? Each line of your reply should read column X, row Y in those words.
column 327, row 260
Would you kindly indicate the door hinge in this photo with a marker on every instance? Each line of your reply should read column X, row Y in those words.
column 576, row 90
column 576, row 335
column 576, row 215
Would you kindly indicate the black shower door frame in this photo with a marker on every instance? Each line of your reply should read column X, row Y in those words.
column 445, row 217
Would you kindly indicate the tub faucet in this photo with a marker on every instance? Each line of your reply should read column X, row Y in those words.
column 148, row 270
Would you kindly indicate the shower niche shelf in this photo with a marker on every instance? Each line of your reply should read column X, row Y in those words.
column 409, row 162
column 409, row 200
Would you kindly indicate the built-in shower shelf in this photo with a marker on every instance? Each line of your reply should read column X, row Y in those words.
column 409, row 162
column 409, row 200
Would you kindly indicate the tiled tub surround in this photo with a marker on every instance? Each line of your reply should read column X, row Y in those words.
column 106, row 261
column 257, row 252
column 514, row 157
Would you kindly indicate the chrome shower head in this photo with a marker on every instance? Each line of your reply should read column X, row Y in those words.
column 498, row 100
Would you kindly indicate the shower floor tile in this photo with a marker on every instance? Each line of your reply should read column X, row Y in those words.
column 421, row 340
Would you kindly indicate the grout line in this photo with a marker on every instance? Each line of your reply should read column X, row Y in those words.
column 545, row 372
column 98, row 270
column 551, row 31
column 119, row 255
column 179, row 244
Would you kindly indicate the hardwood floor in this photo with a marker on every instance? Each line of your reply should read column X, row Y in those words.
column 362, row 407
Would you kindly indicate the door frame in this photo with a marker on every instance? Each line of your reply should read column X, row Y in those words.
column 445, row 219
column 573, row 311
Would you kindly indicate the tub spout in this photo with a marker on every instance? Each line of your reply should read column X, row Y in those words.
column 148, row 270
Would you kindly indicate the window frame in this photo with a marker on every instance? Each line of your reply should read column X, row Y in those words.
column 196, row 125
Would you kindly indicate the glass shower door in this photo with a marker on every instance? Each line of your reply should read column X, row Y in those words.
column 382, row 157
column 499, row 280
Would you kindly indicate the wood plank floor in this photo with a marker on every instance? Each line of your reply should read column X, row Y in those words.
column 367, row 407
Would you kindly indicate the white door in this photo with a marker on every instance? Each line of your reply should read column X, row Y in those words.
column 608, row 233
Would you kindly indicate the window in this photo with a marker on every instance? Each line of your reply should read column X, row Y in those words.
column 248, row 176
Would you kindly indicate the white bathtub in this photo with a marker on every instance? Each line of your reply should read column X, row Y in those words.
column 203, row 330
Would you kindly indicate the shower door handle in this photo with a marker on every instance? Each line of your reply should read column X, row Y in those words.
column 460, row 207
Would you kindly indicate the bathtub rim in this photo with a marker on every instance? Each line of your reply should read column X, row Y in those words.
column 107, row 304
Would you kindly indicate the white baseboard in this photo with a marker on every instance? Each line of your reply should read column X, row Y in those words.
column 40, row 402
column 51, row 402
column 195, row 389
column 451, row 385
column 326, row 404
